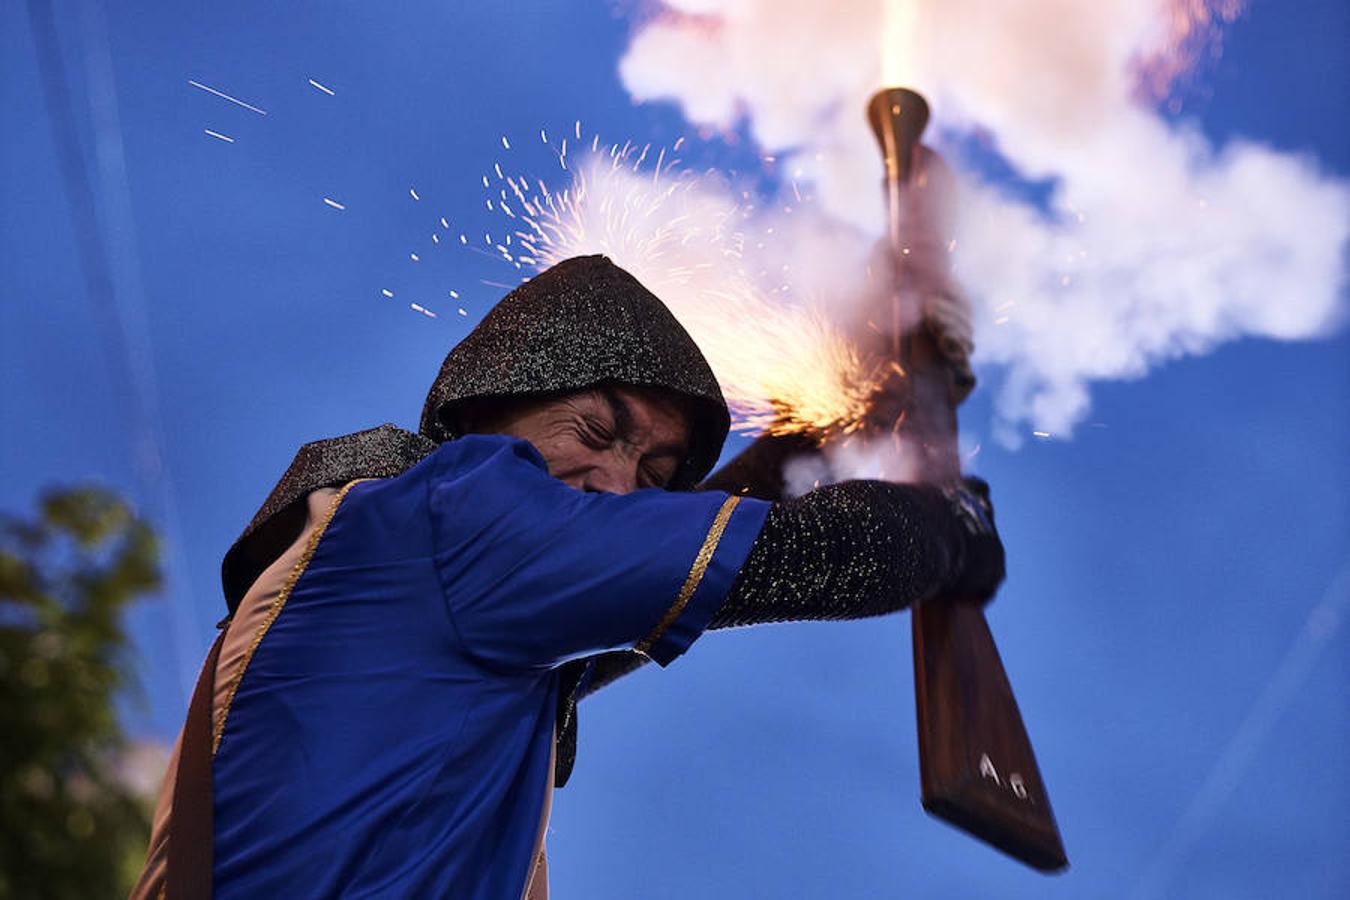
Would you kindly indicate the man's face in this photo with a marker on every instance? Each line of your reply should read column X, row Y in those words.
column 613, row 438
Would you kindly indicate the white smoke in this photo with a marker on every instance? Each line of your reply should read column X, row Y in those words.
column 1153, row 244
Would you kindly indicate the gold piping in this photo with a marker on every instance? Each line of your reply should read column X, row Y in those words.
column 705, row 555
column 296, row 571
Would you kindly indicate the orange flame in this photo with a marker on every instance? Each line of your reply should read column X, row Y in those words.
column 1193, row 31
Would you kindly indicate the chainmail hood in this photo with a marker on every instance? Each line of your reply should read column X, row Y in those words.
column 374, row 453
column 576, row 325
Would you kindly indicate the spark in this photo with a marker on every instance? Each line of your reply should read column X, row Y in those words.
column 327, row 91
column 422, row 309
column 387, row 292
column 412, row 192
column 224, row 96
column 1041, row 434
column 543, row 135
column 784, row 366
column 435, row 238
column 445, row 224
column 333, row 203
column 216, row 134
column 506, row 145
column 454, row 295
column 461, row 311
column 1002, row 320
column 415, row 257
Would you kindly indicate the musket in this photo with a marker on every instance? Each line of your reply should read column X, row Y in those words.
column 976, row 764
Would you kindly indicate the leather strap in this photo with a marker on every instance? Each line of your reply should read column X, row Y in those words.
column 191, row 830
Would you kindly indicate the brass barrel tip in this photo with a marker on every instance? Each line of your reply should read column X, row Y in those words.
column 898, row 117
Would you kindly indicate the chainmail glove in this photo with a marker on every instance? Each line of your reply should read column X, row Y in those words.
column 980, row 567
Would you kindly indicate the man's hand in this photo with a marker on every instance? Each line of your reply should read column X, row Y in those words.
column 980, row 562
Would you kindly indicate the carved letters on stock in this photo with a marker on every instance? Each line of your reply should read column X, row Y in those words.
column 1015, row 782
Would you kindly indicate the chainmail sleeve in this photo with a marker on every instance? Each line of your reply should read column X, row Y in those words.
column 846, row 551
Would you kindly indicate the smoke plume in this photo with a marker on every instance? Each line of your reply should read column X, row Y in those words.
column 1147, row 242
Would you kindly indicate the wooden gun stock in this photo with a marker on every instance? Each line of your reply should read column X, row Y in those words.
column 976, row 766
column 977, row 769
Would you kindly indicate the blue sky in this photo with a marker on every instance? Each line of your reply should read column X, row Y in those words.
column 1187, row 703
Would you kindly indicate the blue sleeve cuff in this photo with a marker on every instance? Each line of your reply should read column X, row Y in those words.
column 727, row 544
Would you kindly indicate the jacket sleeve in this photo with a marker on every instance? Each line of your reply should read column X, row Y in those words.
column 536, row 573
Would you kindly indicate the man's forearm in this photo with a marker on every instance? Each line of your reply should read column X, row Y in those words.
column 846, row 551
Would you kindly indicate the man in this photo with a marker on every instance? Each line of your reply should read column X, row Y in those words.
column 393, row 698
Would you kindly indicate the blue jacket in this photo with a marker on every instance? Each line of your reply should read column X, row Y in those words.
column 389, row 733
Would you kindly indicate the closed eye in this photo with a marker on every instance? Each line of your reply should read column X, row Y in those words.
column 595, row 433
column 656, row 475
